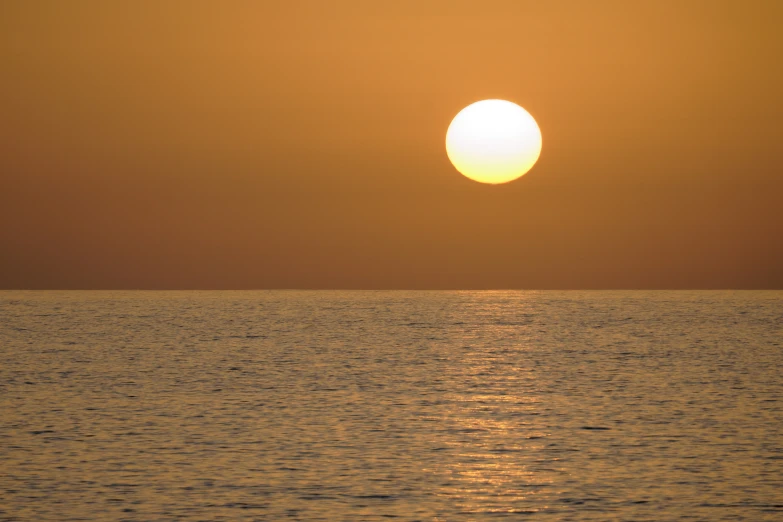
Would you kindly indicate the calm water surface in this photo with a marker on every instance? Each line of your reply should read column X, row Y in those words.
column 374, row 405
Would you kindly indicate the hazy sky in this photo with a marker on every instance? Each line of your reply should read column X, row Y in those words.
column 292, row 144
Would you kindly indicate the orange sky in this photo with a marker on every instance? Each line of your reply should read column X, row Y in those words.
column 291, row 144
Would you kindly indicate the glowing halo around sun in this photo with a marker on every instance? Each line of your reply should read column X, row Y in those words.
column 493, row 141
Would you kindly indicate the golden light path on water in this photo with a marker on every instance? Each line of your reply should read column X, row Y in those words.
column 488, row 477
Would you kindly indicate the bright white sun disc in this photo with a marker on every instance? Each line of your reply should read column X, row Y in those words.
column 493, row 141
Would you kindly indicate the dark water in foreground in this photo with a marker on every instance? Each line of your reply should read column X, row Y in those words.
column 374, row 405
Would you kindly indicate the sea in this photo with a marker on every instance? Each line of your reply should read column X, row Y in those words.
column 391, row 405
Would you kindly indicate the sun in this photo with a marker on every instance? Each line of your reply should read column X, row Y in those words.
column 493, row 141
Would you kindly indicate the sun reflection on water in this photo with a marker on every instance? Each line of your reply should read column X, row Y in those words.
column 494, row 436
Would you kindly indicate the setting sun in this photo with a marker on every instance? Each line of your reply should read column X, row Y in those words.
column 493, row 141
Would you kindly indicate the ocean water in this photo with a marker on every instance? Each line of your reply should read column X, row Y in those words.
column 287, row 405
